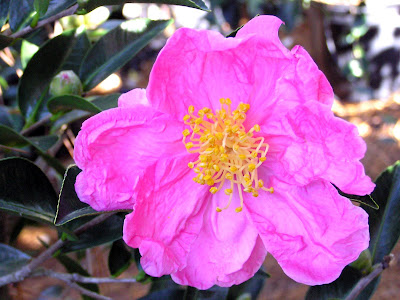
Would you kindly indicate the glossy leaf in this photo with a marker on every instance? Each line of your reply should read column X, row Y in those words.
column 87, row 6
column 116, row 48
column 41, row 6
column 37, row 76
column 78, row 52
column 108, row 231
column 74, row 267
column 119, row 258
column 26, row 191
column 69, row 206
column 68, row 102
column 10, row 138
column 56, row 6
column 385, row 222
column 11, row 259
column 21, row 13
column 4, row 5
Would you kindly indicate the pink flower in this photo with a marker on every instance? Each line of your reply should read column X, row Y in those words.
column 252, row 173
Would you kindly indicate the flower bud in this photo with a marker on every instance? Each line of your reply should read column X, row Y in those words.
column 66, row 82
column 363, row 262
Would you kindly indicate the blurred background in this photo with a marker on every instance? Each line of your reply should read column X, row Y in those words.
column 355, row 43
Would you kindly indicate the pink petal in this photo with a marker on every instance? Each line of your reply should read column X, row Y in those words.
column 192, row 57
column 167, row 216
column 113, row 149
column 133, row 98
column 311, row 143
column 311, row 231
column 227, row 251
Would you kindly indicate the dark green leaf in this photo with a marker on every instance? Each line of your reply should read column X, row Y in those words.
column 41, row 6
column 26, row 191
column 367, row 200
column 10, row 138
column 385, row 222
column 11, row 259
column 108, row 231
column 337, row 289
column 74, row 267
column 119, row 258
column 214, row 293
column 116, row 48
column 56, row 6
column 78, row 52
column 87, row 6
column 250, row 288
column 69, row 205
column 167, row 294
column 44, row 142
column 5, row 118
column 4, row 5
column 103, row 102
column 37, row 76
column 5, row 41
column 21, row 14
column 233, row 33
column 69, row 102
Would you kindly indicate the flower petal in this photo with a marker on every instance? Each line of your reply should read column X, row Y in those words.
column 167, row 216
column 192, row 57
column 133, row 98
column 311, row 144
column 312, row 231
column 227, row 251
column 114, row 147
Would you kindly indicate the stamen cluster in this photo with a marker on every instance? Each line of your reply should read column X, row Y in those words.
column 226, row 150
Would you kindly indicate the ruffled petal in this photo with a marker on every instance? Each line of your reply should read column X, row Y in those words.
column 312, row 231
column 167, row 216
column 133, row 98
column 227, row 250
column 192, row 57
column 114, row 147
column 310, row 143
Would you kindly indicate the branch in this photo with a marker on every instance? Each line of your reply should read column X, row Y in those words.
column 42, row 23
column 27, row 270
column 376, row 271
column 74, row 277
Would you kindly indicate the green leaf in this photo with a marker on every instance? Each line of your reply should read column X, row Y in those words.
column 10, row 138
column 11, row 259
column 68, row 102
column 109, row 230
column 89, row 5
column 41, row 6
column 57, row 6
column 78, row 52
column 385, row 222
column 4, row 5
column 248, row 289
column 116, row 48
column 27, row 51
column 26, row 191
column 69, row 206
column 119, row 258
column 367, row 200
column 21, row 14
column 35, row 80
column 103, row 102
column 74, row 267
column 5, row 41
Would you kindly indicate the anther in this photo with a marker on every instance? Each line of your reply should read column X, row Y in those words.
column 213, row 190
column 186, row 132
column 191, row 109
column 251, row 167
column 189, row 145
column 238, row 209
column 191, row 165
column 228, row 191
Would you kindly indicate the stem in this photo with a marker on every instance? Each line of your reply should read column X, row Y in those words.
column 35, row 125
column 79, row 278
column 27, row 270
column 376, row 271
column 42, row 23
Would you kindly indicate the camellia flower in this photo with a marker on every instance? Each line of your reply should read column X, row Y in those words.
column 229, row 153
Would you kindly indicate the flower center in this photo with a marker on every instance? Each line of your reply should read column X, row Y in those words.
column 226, row 150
